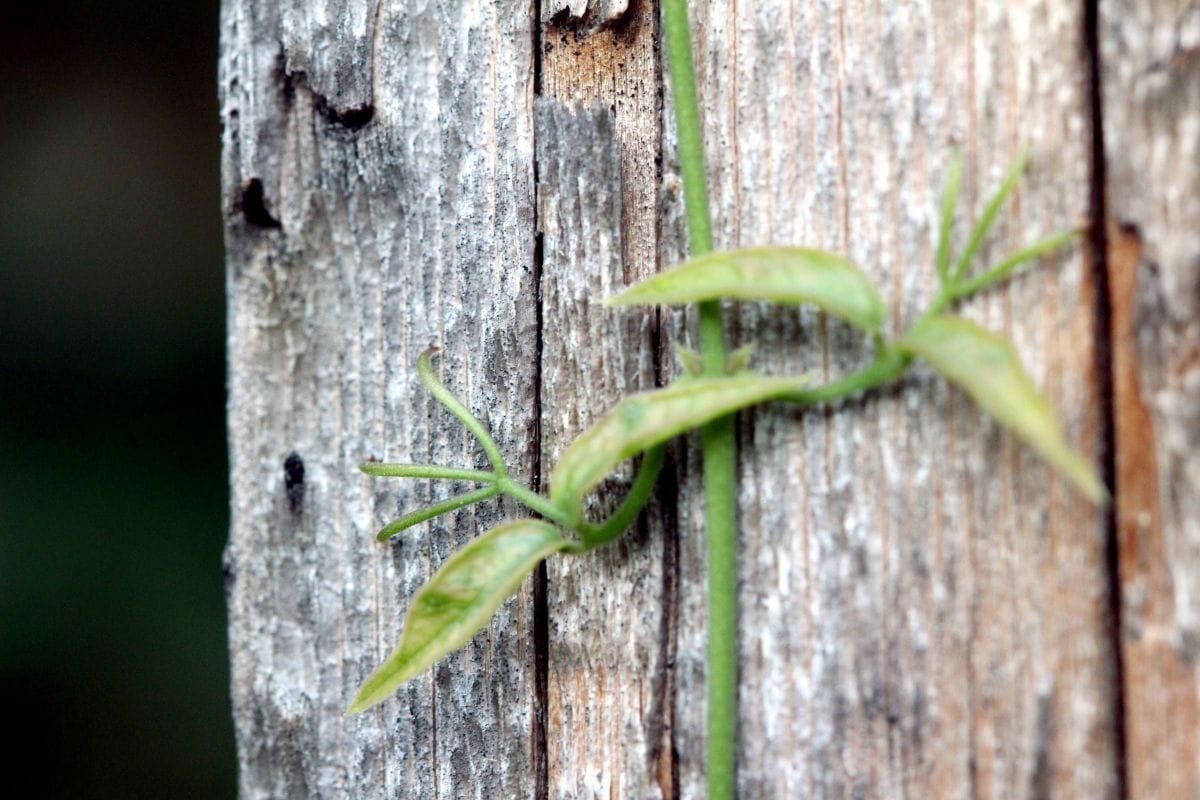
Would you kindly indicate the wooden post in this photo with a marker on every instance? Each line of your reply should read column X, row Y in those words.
column 926, row 610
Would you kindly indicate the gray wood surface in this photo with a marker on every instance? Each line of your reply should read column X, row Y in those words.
column 924, row 606
column 1151, row 79
column 609, row 691
column 607, row 663
column 393, row 151
column 926, row 610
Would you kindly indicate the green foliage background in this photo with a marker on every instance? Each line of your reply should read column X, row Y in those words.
column 113, row 491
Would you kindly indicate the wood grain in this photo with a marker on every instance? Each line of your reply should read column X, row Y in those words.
column 1151, row 111
column 378, row 183
column 926, row 610
column 598, row 137
column 607, row 661
column 923, row 605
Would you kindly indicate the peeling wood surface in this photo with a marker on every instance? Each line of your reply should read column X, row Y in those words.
column 923, row 605
column 617, row 67
column 587, row 16
column 368, row 238
column 1151, row 81
column 925, row 608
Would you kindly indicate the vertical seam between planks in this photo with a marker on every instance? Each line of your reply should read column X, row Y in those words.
column 1097, row 244
column 668, row 489
column 541, row 609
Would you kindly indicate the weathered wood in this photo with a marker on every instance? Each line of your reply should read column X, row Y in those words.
column 378, row 181
column 618, row 67
column 606, row 665
column 609, row 647
column 1151, row 108
column 588, row 16
column 923, row 605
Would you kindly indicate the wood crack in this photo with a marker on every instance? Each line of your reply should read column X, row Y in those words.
column 541, row 607
column 1102, row 348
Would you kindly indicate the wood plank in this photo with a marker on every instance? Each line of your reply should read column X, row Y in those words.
column 609, row 684
column 605, row 700
column 924, row 606
column 1151, row 112
column 378, row 184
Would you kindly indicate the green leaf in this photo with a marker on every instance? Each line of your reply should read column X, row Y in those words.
column 949, row 204
column 380, row 469
column 791, row 275
column 692, row 363
column 459, row 600
column 988, row 368
column 739, row 360
column 436, row 510
column 1005, row 267
column 643, row 420
column 990, row 212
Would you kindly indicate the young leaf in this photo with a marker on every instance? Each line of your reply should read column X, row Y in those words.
column 791, row 275
column 643, row 420
column 692, row 363
column 381, row 469
column 987, row 367
column 436, row 510
column 949, row 203
column 990, row 212
column 459, row 600
column 1005, row 267
column 739, row 360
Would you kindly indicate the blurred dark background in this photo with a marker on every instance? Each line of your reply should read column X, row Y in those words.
column 113, row 494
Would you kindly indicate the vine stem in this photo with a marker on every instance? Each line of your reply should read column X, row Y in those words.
column 720, row 446
column 455, row 407
column 639, row 493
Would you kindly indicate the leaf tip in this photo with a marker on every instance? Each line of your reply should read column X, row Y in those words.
column 693, row 364
column 425, row 360
column 739, row 360
column 1092, row 488
column 621, row 298
column 361, row 703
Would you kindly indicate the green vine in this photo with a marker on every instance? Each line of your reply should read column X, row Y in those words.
column 463, row 594
column 718, row 437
